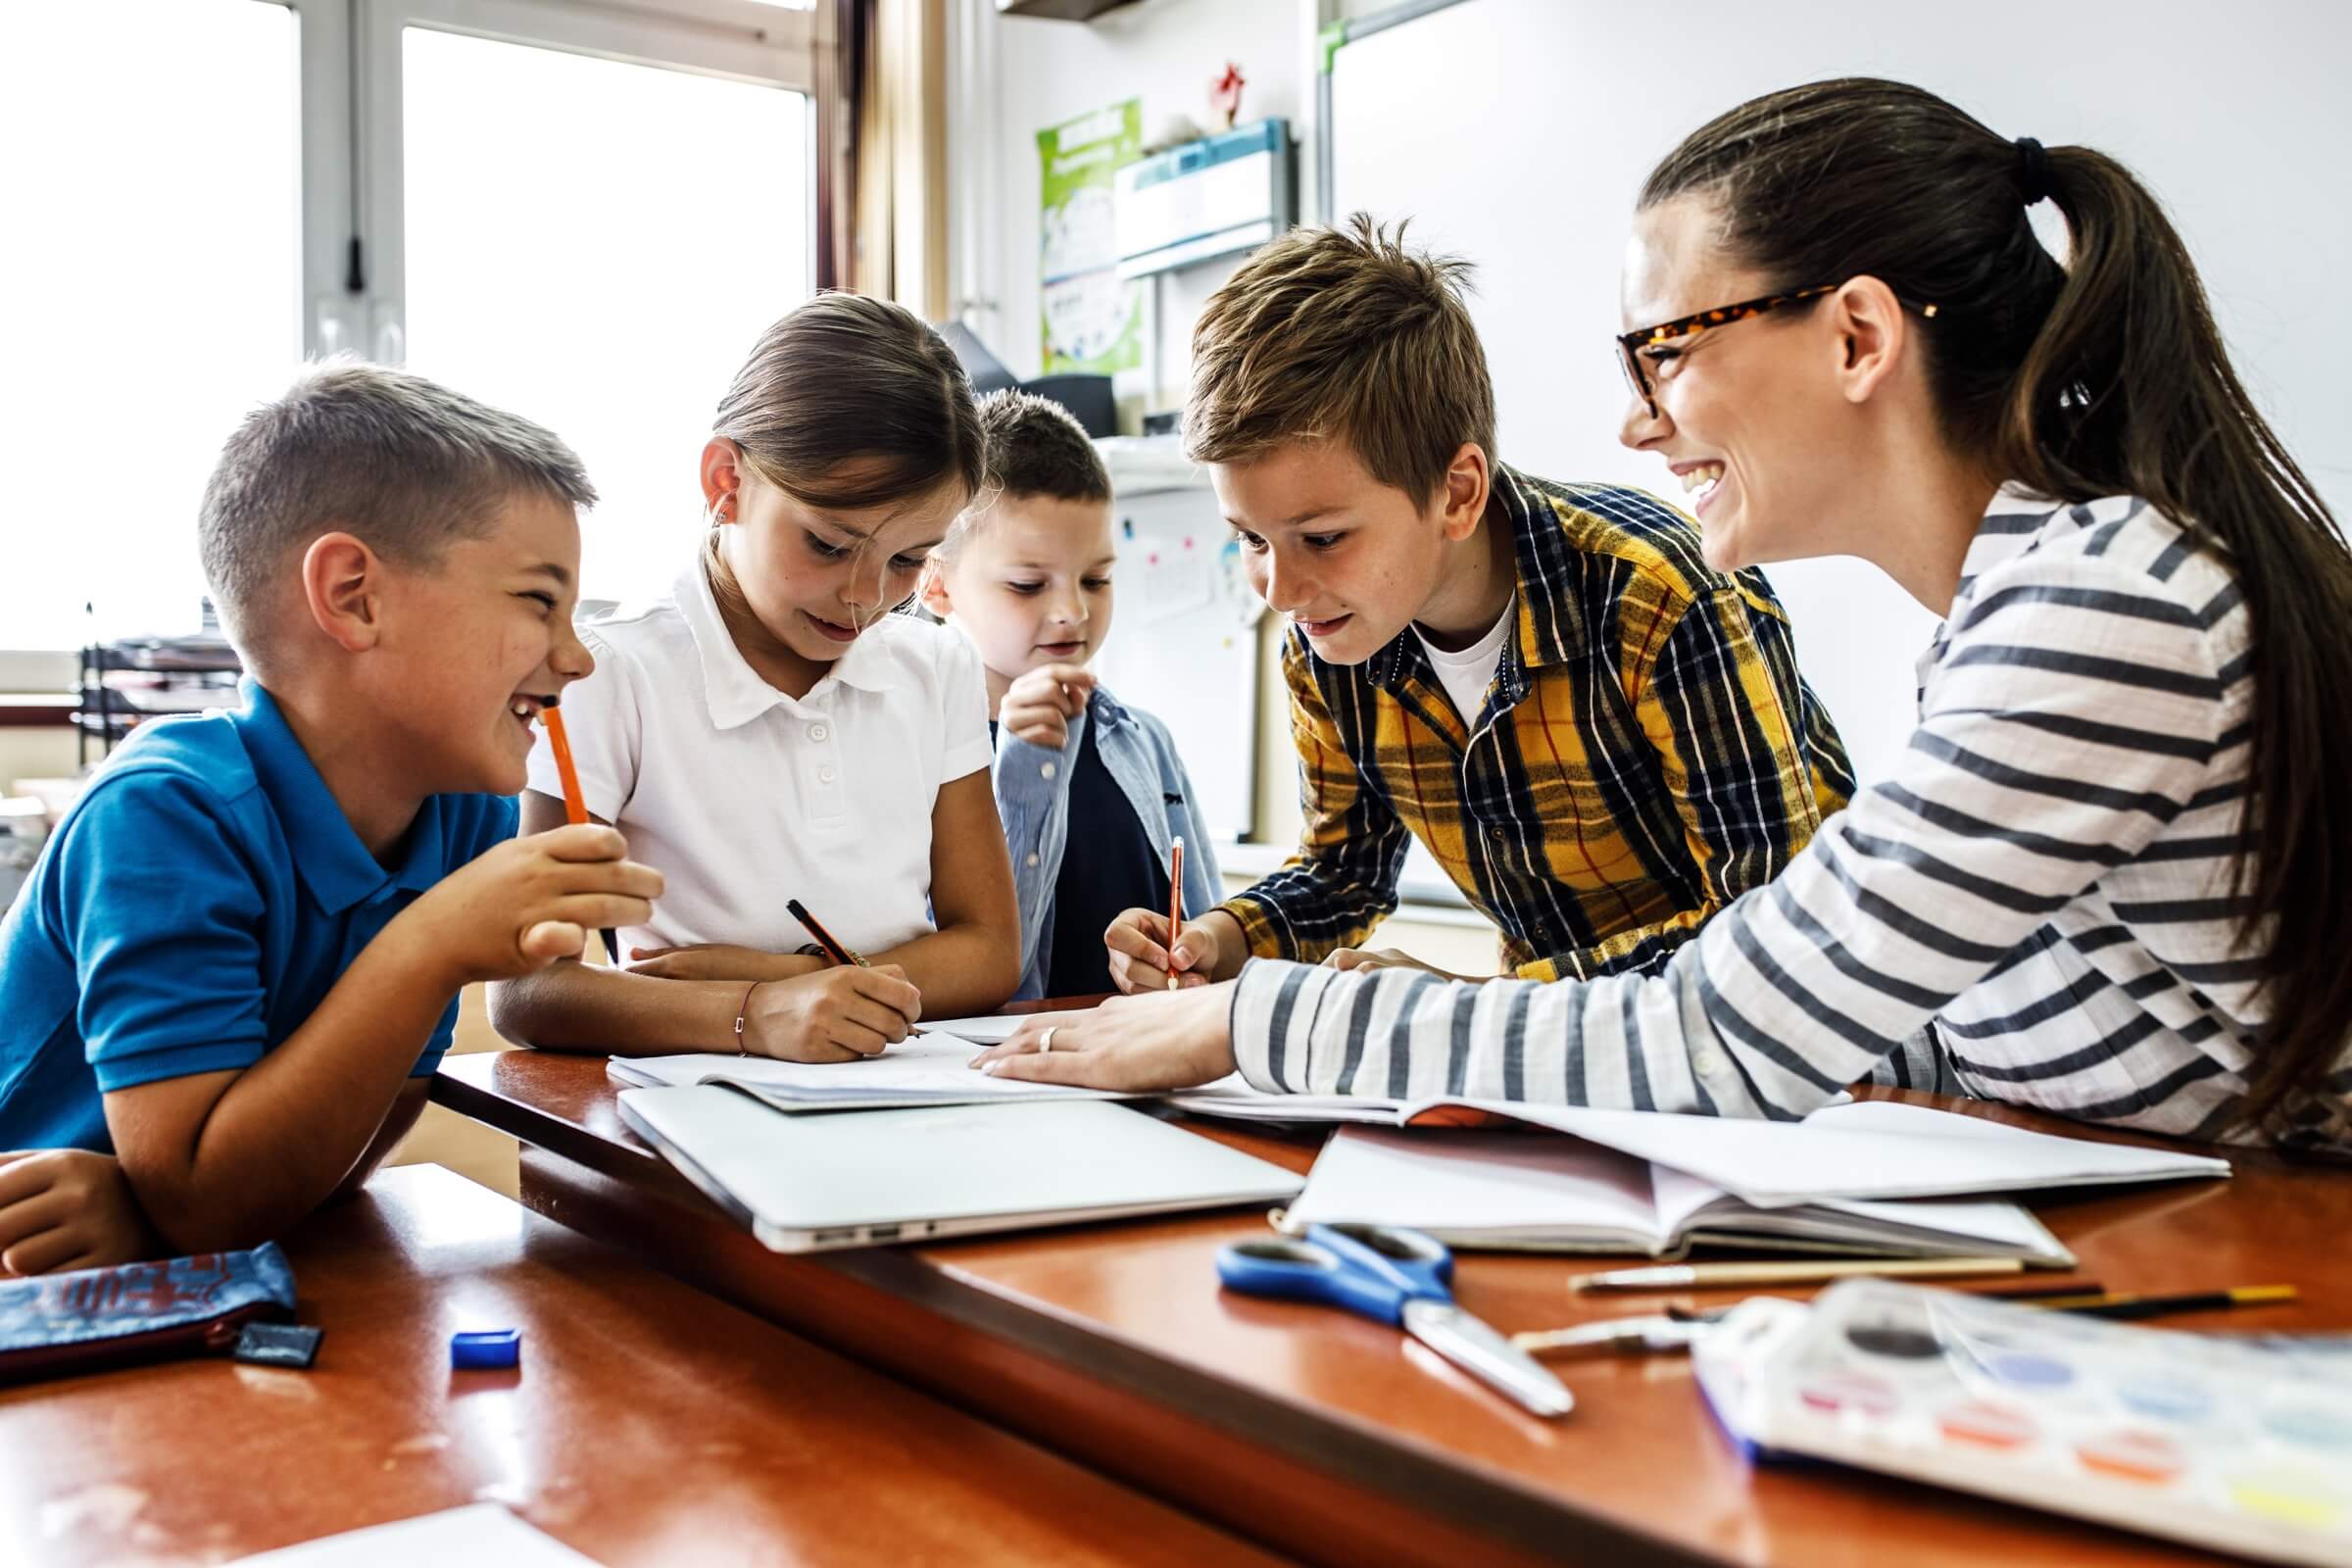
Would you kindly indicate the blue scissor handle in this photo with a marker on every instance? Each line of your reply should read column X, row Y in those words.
column 1368, row 1269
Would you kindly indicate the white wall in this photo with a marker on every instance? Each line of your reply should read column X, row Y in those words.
column 2240, row 130
column 1018, row 75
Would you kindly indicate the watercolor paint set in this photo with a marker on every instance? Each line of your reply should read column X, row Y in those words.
column 2236, row 1444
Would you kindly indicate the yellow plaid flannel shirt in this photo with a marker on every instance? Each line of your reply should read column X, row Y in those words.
column 1646, row 753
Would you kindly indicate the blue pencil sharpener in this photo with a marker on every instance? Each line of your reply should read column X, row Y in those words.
column 491, row 1350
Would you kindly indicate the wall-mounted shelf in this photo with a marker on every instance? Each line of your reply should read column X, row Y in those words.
column 1059, row 10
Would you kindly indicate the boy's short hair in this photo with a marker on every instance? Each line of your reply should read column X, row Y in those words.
column 1345, row 336
column 399, row 461
column 1036, row 448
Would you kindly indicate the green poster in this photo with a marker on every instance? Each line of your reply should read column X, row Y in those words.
column 1092, row 319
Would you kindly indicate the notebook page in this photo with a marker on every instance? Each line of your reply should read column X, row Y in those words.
column 990, row 1031
column 1480, row 1189
column 928, row 1069
column 1857, row 1152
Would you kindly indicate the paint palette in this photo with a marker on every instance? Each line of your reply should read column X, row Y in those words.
column 2246, row 1447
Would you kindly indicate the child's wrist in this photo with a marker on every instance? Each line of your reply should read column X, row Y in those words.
column 413, row 942
column 1231, row 941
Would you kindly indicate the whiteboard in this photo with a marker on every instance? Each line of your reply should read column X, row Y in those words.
column 1184, row 641
column 1517, row 133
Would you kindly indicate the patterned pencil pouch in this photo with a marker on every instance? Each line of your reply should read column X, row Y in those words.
column 57, row 1325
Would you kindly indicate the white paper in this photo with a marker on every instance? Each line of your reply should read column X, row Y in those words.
column 1473, row 1182
column 927, row 1069
column 1860, row 1151
column 482, row 1536
column 1850, row 1149
column 990, row 1031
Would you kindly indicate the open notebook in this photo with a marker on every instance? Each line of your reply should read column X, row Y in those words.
column 1526, row 1192
column 1861, row 1149
column 932, row 1068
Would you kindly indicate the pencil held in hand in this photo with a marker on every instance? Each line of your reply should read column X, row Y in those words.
column 825, row 938
column 1175, row 903
column 575, row 805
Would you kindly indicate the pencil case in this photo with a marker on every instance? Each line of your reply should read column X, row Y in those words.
column 59, row 1325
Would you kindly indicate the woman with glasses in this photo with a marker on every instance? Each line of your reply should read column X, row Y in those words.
column 2105, row 877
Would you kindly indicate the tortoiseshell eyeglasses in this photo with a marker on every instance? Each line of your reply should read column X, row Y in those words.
column 1631, row 345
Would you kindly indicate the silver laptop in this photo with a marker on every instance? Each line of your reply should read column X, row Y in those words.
column 810, row 1181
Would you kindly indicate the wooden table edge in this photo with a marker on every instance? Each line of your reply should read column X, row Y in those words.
column 1068, row 1371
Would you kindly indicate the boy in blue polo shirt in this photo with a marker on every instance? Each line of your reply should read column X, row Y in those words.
column 235, row 966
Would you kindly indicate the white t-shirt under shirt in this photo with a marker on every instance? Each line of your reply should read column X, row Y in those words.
column 1466, row 675
column 741, row 797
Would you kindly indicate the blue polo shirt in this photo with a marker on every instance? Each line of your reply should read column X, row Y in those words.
column 196, row 904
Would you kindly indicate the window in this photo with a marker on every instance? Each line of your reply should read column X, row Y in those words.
column 595, row 245
column 581, row 211
column 148, row 293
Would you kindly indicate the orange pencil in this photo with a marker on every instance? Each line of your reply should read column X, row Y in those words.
column 575, row 805
column 1175, row 903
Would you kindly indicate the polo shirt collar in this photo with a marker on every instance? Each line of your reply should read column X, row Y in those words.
column 732, row 691
column 328, row 852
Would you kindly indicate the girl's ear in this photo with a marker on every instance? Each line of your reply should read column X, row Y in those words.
column 934, row 589
column 722, row 478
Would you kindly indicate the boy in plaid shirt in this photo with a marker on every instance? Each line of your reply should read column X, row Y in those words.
column 1601, row 739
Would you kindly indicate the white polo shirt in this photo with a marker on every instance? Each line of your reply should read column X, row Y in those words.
column 743, row 797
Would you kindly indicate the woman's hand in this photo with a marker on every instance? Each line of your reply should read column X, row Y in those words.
column 1139, row 1044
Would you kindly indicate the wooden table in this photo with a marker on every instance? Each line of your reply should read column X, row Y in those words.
column 648, row 1424
column 1337, row 1439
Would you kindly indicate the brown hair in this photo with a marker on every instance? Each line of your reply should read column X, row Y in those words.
column 1035, row 448
column 845, row 379
column 1347, row 335
column 402, row 463
column 2102, row 378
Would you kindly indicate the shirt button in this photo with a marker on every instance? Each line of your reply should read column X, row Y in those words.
column 1495, row 835
column 1047, row 771
column 1708, row 1064
column 1032, row 859
column 818, row 732
column 824, row 775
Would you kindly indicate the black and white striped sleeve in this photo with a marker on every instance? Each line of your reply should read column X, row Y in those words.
column 2071, row 715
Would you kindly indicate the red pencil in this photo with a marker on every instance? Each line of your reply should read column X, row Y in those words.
column 575, row 805
column 1175, row 905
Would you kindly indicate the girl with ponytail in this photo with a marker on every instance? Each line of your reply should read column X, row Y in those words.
column 2104, row 878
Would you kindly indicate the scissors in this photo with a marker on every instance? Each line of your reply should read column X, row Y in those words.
column 1399, row 1277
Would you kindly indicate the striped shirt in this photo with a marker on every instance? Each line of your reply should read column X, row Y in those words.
column 2045, row 879
column 1646, row 754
